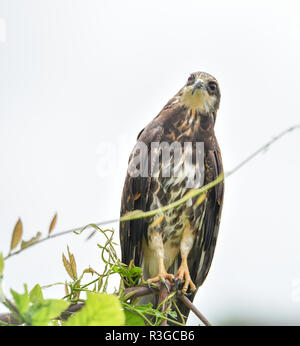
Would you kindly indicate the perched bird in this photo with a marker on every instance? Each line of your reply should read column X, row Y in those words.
column 180, row 243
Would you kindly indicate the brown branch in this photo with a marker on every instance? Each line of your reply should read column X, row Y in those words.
column 8, row 318
column 193, row 308
column 11, row 318
column 139, row 291
column 163, row 295
column 70, row 310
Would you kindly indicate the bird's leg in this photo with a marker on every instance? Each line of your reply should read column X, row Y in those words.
column 183, row 272
column 156, row 243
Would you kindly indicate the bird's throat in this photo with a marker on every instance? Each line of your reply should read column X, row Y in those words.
column 199, row 102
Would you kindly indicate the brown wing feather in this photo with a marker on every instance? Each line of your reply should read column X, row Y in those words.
column 205, row 243
column 137, row 192
column 136, row 196
column 211, row 221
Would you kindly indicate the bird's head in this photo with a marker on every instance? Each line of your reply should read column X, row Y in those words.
column 201, row 93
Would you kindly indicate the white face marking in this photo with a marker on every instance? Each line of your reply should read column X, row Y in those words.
column 200, row 100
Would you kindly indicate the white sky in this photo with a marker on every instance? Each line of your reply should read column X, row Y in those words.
column 80, row 79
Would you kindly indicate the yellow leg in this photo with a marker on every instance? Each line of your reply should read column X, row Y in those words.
column 183, row 272
column 156, row 243
column 162, row 274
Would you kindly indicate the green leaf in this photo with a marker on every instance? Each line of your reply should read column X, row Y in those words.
column 100, row 309
column 173, row 314
column 44, row 311
column 119, row 269
column 135, row 271
column 36, row 294
column 21, row 300
column 126, row 271
column 55, row 323
column 144, row 308
column 1, row 264
column 133, row 319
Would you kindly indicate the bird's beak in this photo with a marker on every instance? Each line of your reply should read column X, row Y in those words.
column 198, row 85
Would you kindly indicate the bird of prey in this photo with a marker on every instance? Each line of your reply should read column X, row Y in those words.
column 180, row 243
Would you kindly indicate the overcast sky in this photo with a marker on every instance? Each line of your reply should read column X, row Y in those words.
column 80, row 79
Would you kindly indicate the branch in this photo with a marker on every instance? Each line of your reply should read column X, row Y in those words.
column 193, row 308
column 73, row 230
column 139, row 291
column 8, row 318
column 163, row 295
column 262, row 149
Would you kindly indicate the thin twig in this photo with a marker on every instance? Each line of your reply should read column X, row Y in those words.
column 52, row 236
column 179, row 312
column 262, row 149
column 13, row 317
column 140, row 291
column 8, row 318
column 70, row 310
column 193, row 308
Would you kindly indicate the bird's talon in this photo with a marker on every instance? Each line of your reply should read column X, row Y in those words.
column 162, row 277
column 176, row 284
column 149, row 286
column 188, row 294
column 167, row 287
column 183, row 272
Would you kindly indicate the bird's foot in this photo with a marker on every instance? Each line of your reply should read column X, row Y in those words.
column 162, row 277
column 183, row 274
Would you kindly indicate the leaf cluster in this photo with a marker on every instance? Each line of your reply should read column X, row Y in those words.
column 99, row 307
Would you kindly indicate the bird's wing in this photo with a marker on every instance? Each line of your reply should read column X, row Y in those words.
column 136, row 196
column 138, row 191
column 202, row 253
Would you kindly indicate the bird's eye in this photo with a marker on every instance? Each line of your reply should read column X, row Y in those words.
column 191, row 79
column 212, row 86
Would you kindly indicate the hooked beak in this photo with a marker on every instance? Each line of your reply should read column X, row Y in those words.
column 198, row 85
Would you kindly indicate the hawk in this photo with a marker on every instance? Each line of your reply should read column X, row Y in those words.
column 180, row 243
